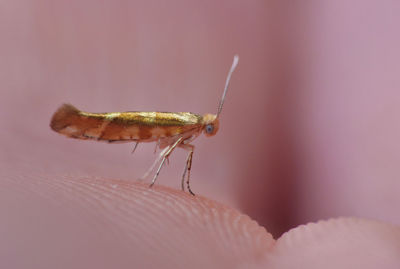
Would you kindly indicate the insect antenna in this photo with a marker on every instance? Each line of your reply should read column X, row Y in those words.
column 228, row 78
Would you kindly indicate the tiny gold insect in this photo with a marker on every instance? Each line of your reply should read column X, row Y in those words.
column 169, row 130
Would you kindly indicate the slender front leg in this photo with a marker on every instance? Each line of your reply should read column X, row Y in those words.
column 165, row 156
column 188, row 167
column 155, row 162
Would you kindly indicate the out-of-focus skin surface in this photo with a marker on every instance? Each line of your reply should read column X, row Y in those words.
column 309, row 131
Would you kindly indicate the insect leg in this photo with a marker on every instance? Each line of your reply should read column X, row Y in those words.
column 137, row 143
column 157, row 144
column 155, row 162
column 165, row 156
column 188, row 166
column 184, row 174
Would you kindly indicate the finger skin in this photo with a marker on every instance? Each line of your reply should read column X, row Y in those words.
column 64, row 222
column 338, row 243
column 86, row 222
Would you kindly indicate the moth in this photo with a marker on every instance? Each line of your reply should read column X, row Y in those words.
column 168, row 129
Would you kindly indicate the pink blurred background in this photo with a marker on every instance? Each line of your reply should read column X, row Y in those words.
column 310, row 128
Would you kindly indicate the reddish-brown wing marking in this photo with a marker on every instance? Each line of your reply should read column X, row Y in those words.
column 169, row 130
column 124, row 126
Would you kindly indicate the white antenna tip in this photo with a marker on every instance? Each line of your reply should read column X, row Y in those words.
column 234, row 64
column 235, row 60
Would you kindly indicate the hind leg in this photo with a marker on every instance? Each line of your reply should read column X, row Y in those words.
column 188, row 166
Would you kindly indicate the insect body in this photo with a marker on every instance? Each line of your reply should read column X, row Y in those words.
column 169, row 130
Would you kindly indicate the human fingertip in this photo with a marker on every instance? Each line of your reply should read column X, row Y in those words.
column 339, row 243
column 99, row 222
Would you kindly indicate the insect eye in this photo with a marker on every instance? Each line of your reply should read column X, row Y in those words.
column 209, row 128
